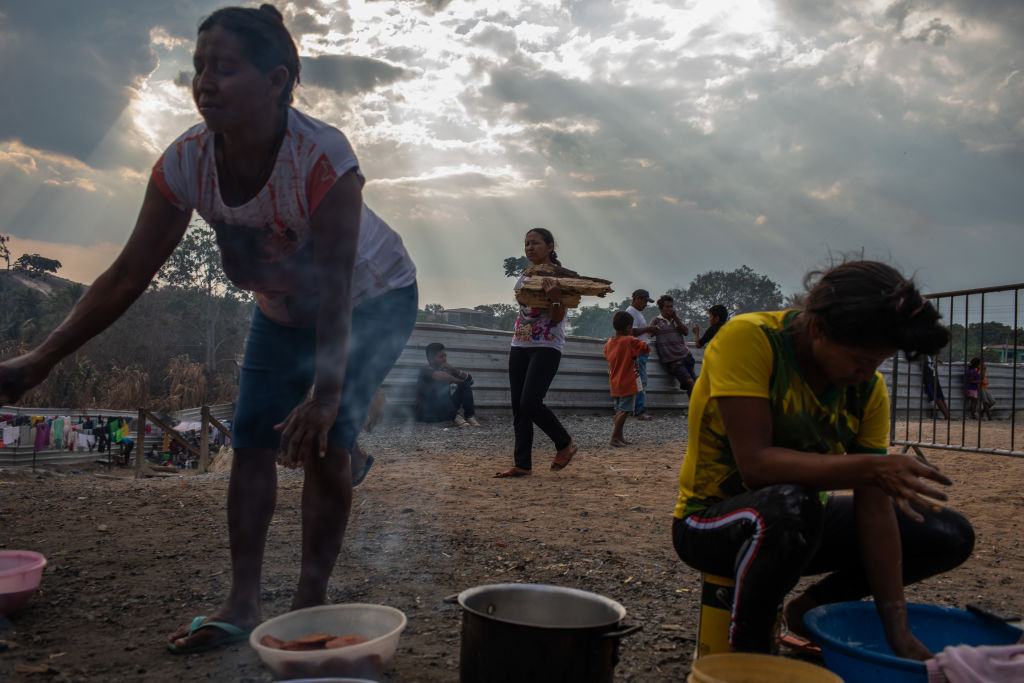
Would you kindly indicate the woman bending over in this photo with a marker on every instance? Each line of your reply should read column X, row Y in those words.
column 789, row 405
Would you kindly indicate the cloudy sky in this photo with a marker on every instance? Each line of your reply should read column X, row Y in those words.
column 657, row 140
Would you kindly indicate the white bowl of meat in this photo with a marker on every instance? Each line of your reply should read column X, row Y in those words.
column 351, row 640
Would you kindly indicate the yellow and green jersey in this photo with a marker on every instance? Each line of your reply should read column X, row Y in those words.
column 752, row 356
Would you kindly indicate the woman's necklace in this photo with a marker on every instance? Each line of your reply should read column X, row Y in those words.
column 247, row 192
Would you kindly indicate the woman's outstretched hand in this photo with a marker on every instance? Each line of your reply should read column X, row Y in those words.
column 901, row 476
column 305, row 429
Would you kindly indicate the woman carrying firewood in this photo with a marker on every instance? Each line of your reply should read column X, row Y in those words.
column 533, row 361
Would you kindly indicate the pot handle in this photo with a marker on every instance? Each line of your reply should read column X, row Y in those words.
column 629, row 630
column 451, row 599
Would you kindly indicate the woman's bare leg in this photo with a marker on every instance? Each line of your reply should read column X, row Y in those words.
column 326, row 503
column 252, row 495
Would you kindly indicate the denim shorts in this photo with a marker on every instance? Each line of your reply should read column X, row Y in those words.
column 280, row 364
column 624, row 404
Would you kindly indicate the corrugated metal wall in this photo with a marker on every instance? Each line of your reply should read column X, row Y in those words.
column 581, row 383
column 580, row 386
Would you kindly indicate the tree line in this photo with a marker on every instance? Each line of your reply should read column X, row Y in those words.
column 179, row 344
column 740, row 291
column 33, row 264
column 176, row 347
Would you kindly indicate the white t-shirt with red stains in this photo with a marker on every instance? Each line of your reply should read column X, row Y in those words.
column 273, row 228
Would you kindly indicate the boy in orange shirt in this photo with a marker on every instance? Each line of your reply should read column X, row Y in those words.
column 623, row 377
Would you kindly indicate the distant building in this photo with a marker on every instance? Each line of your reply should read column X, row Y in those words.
column 467, row 316
column 1007, row 352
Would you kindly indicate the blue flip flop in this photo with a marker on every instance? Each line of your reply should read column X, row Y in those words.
column 233, row 634
column 360, row 474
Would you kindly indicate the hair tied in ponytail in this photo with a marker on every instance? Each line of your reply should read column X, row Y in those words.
column 272, row 11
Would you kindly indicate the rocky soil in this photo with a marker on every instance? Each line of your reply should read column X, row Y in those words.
column 131, row 560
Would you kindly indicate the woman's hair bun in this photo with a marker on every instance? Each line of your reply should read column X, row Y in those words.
column 869, row 304
column 270, row 9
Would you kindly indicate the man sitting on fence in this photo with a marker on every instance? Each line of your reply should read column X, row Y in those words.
column 673, row 353
column 436, row 401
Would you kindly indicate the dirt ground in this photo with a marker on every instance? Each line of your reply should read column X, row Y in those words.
column 132, row 560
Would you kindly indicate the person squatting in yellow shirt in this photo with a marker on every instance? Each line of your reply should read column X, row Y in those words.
column 789, row 404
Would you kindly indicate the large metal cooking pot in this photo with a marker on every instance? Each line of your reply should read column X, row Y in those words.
column 514, row 632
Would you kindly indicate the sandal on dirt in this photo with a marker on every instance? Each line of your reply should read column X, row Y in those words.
column 798, row 643
column 644, row 417
column 232, row 634
column 563, row 456
column 359, row 473
column 513, row 472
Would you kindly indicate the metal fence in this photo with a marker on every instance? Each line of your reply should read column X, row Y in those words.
column 984, row 323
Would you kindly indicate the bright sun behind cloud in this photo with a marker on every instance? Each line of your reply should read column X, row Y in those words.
column 656, row 139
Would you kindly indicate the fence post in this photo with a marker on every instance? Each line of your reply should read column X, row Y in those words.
column 140, row 443
column 894, row 397
column 204, row 441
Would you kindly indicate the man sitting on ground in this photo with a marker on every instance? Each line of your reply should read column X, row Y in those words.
column 435, row 400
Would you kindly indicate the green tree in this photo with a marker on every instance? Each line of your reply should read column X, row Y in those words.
column 965, row 343
column 504, row 316
column 596, row 320
column 20, row 312
column 5, row 251
column 740, row 291
column 515, row 265
column 128, row 361
column 34, row 264
column 195, row 267
column 431, row 313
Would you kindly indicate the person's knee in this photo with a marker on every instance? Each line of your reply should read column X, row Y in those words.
column 795, row 501
column 530, row 406
column 958, row 535
column 793, row 518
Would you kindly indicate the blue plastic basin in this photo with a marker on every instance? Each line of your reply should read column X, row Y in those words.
column 853, row 643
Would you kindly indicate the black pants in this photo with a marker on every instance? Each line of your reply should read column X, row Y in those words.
column 683, row 371
column 446, row 407
column 767, row 539
column 530, row 373
column 102, row 435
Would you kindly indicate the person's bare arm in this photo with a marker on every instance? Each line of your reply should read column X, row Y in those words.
column 455, row 374
column 158, row 230
column 335, row 226
column 881, row 555
column 442, row 376
column 748, row 424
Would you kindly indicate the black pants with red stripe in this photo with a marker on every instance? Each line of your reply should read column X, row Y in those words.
column 767, row 539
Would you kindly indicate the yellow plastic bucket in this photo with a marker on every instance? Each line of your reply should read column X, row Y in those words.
column 716, row 593
column 716, row 598
column 739, row 667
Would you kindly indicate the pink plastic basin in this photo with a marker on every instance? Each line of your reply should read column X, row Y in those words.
column 20, row 572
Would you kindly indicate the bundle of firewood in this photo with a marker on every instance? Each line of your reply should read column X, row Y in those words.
column 574, row 286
